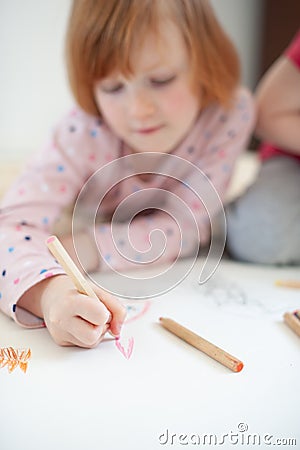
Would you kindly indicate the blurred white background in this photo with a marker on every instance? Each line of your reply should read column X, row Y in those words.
column 33, row 86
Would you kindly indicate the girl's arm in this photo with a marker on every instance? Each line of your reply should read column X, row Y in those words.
column 278, row 103
column 31, row 208
column 73, row 318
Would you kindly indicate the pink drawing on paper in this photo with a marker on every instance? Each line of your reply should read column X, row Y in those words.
column 137, row 310
column 134, row 311
column 126, row 351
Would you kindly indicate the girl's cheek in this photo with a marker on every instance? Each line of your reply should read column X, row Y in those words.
column 110, row 111
column 180, row 100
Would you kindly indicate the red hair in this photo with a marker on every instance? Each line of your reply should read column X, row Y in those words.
column 101, row 34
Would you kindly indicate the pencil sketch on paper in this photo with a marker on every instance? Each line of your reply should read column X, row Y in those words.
column 230, row 295
column 12, row 358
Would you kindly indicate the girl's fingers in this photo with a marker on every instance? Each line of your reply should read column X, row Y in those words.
column 70, row 340
column 84, row 334
column 116, row 308
column 90, row 309
column 106, row 310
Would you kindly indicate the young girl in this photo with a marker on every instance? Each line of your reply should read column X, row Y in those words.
column 149, row 77
column 263, row 225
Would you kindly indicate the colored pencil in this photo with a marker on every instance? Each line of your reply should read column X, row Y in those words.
column 293, row 321
column 288, row 283
column 64, row 259
column 59, row 252
column 202, row 344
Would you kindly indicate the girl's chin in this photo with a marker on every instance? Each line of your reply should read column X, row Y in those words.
column 152, row 148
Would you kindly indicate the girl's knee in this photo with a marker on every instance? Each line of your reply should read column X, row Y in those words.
column 276, row 244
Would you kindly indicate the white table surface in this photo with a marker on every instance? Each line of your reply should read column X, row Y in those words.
column 167, row 394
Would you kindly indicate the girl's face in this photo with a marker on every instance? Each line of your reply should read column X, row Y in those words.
column 153, row 109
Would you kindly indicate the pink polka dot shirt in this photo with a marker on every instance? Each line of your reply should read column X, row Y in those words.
column 84, row 158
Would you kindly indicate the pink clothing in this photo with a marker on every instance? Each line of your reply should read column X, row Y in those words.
column 81, row 145
column 267, row 150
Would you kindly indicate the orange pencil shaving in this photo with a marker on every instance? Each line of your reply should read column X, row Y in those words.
column 294, row 284
column 64, row 259
column 202, row 344
column 11, row 358
column 293, row 321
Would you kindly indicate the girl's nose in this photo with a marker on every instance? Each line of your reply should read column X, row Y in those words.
column 141, row 105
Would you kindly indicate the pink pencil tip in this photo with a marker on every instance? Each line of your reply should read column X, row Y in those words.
column 50, row 239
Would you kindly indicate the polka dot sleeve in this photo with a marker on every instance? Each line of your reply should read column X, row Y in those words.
column 33, row 205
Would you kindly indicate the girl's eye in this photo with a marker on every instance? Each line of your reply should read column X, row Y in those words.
column 162, row 81
column 113, row 89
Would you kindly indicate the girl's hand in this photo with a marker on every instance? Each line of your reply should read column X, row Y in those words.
column 73, row 318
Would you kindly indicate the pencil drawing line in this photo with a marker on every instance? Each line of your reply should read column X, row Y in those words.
column 126, row 352
column 134, row 313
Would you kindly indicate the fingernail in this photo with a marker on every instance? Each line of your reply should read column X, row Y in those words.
column 116, row 336
column 108, row 319
column 119, row 327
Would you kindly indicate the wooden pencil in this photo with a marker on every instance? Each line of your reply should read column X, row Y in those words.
column 294, row 284
column 293, row 321
column 202, row 344
column 64, row 259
